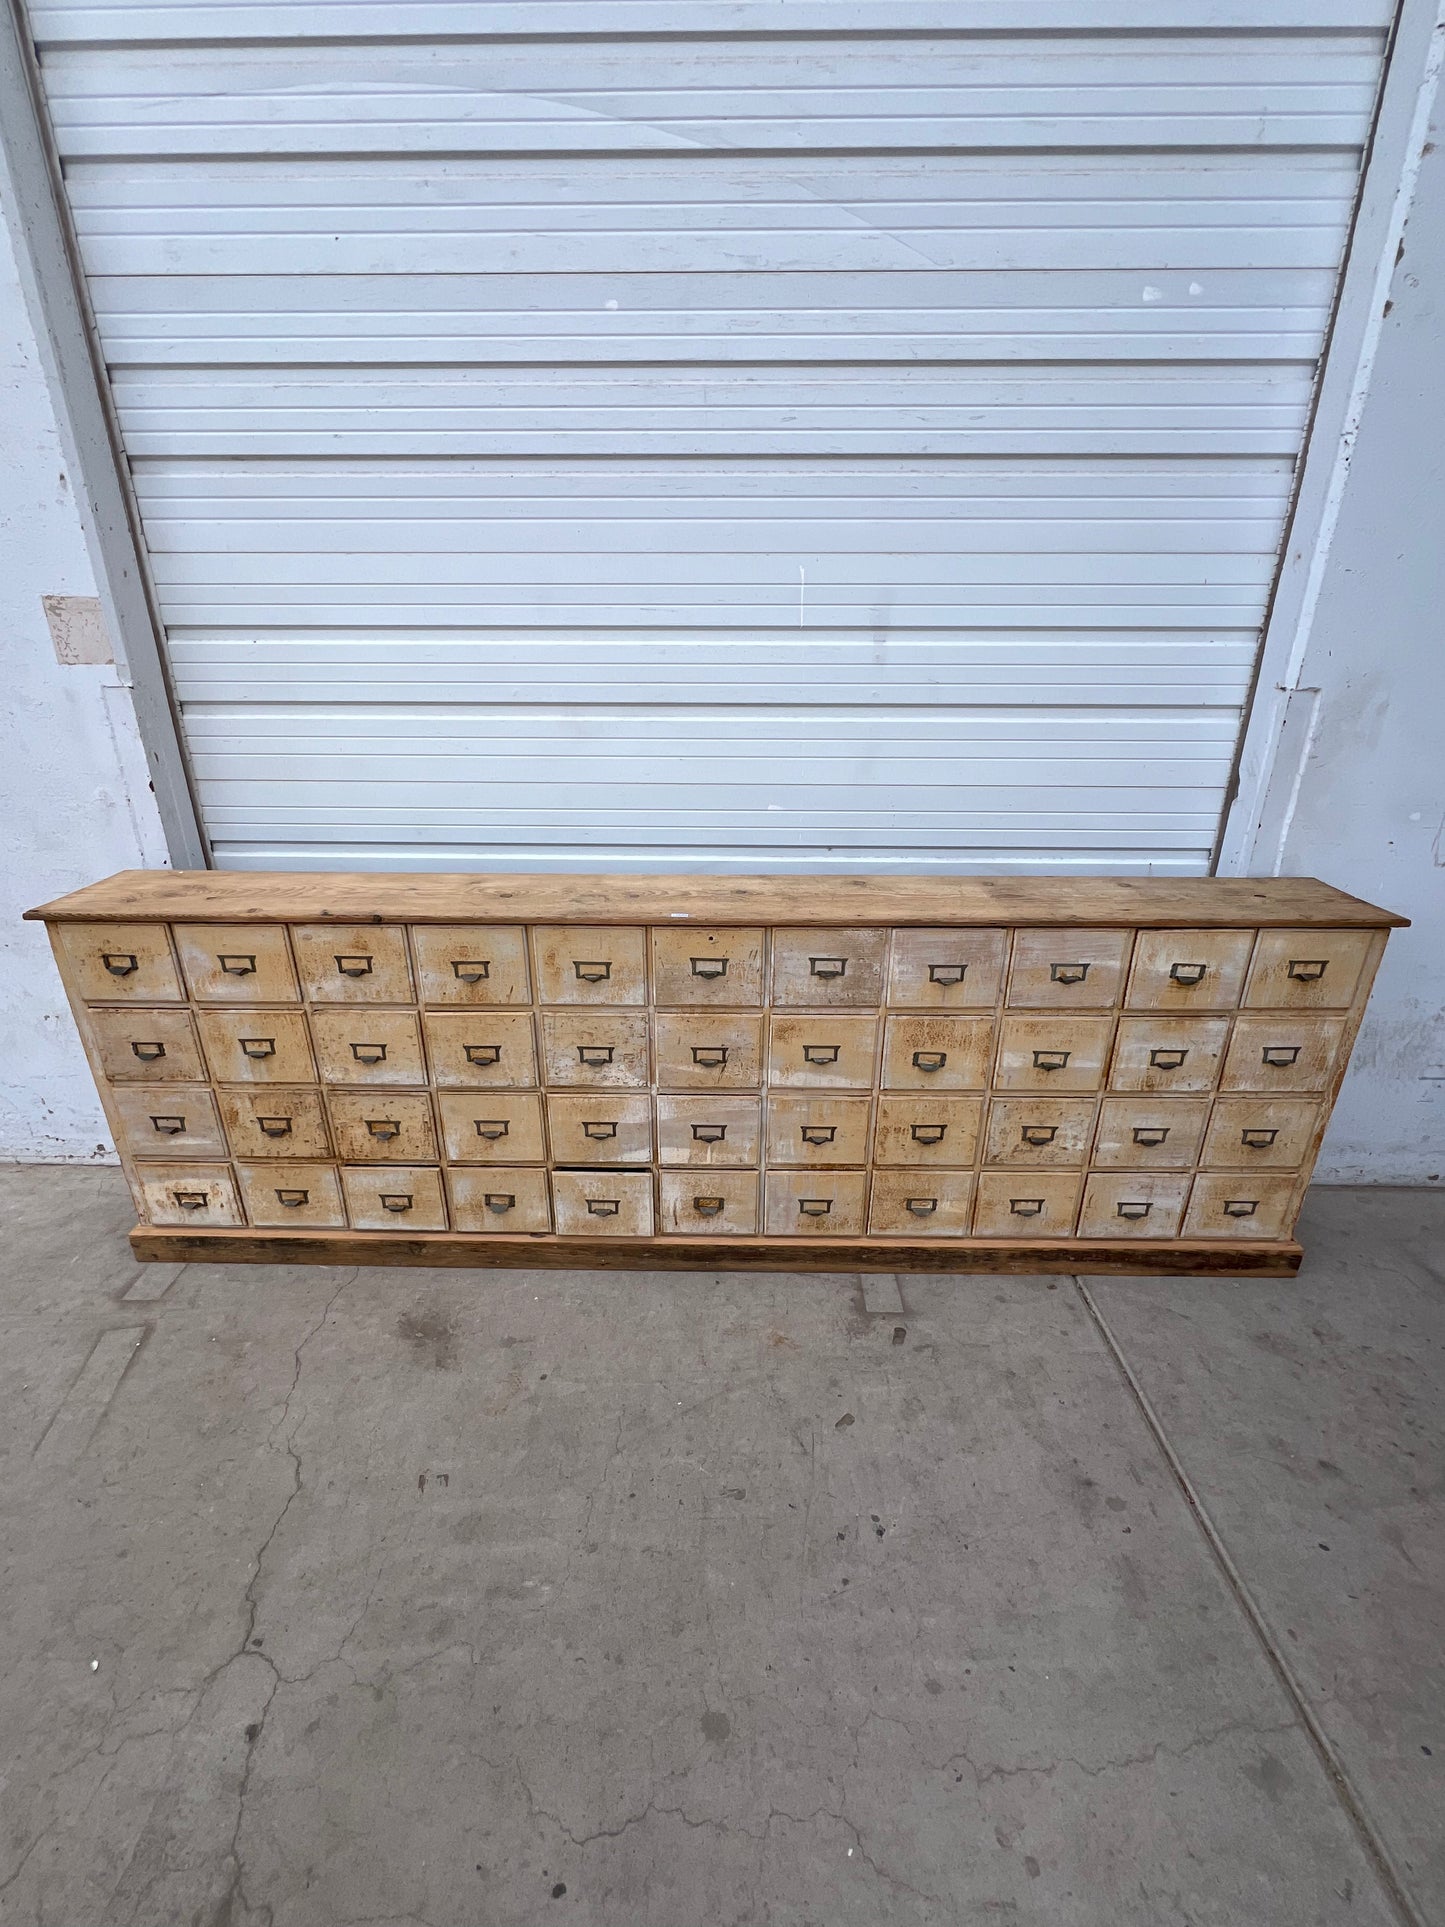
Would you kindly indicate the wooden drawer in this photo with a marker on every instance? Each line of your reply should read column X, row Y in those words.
column 237, row 963
column 353, row 963
column 1065, row 969
column 119, row 963
column 471, row 964
column 610, row 1128
column 276, row 1123
column 146, row 1046
column 1150, row 1133
column 810, row 1131
column 1182, row 971
column 717, row 1204
column 1284, row 1053
column 937, row 1053
column 708, row 1131
column 485, row 1050
column 382, row 1127
column 492, row 1127
column 590, row 964
column 257, row 1046
column 921, row 1204
column 368, row 1046
column 1139, row 1204
column 827, row 969
column 1039, row 1130
column 513, row 1203
column 201, row 1195
column 822, row 1053
column 947, row 969
column 595, row 1050
column 398, row 1197
column 815, row 1204
column 708, row 1050
column 1052, row 1054
column 1307, row 969
column 1178, row 1054
column 1240, row 1204
column 1026, row 1204
column 926, row 1130
column 168, row 1120
column 693, row 966
column 1252, row 1133
column 602, row 1204
column 291, row 1194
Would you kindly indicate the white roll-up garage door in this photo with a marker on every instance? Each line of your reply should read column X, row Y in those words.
column 712, row 433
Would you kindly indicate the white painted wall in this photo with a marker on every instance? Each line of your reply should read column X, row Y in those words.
column 75, row 800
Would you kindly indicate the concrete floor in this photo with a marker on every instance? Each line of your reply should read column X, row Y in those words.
column 480, row 1598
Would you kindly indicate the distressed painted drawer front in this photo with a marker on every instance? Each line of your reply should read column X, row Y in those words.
column 709, row 1131
column 577, row 964
column 823, row 1053
column 1239, row 1204
column 595, row 1050
column 382, row 1127
column 602, row 1204
column 1184, row 971
column 1249, row 1133
column 699, row 1050
column 464, row 965
column 926, row 1130
column 937, row 1053
column 169, row 1120
column 1063, row 969
column 707, row 968
column 146, row 1046
column 1150, row 1133
column 510, row 1203
column 1284, row 1053
column 257, row 1046
column 353, row 963
column 718, row 1204
column 1052, row 1054
column 290, row 1194
column 1306, row 969
column 1142, row 1204
column 193, row 1194
column 809, row 1131
column 237, row 963
column 395, row 1197
column 827, row 969
column 921, row 1204
column 492, row 1127
column 119, row 963
column 1039, row 1130
column 947, row 969
column 608, row 1128
column 368, row 1046
column 1026, row 1204
column 1178, row 1054
column 481, row 1049
column 276, row 1122
column 815, row 1204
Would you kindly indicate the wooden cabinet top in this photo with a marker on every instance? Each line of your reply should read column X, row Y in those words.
column 239, row 896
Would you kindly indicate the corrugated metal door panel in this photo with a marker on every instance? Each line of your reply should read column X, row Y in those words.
column 669, row 432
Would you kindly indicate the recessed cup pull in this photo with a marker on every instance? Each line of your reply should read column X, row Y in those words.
column 820, row 1053
column 946, row 973
column 815, row 1207
column 1240, row 1207
column 1167, row 1060
column 595, row 1054
column 354, row 966
column 929, row 1060
column 921, row 1207
column 1026, row 1207
column 259, row 1047
column 383, row 1127
column 482, row 1053
column 827, row 966
column 1308, row 970
column 708, row 1207
column 709, row 1133
column 120, row 963
column 712, row 1056
column 395, row 1200
column 1188, row 974
column 595, row 972
column 1151, row 1133
column 169, row 1126
column 711, row 967
column 491, row 1127
column 1069, row 973
column 499, row 1201
column 369, row 1053
column 192, row 1200
column 1257, row 1137
column 148, row 1050
column 293, row 1200
column 818, row 1133
column 1039, row 1133
column 1051, row 1060
column 1280, row 1055
column 471, row 970
column 604, row 1207
column 599, row 1131
column 235, row 964
column 274, row 1126
column 927, row 1133
column 1134, row 1207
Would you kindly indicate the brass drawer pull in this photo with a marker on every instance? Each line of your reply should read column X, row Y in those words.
column 1151, row 1133
column 1280, row 1055
column 711, row 1055
column 929, row 1060
column 192, row 1200
column 383, row 1127
column 599, row 1130
column 820, row 1053
column 394, row 1200
column 1240, row 1207
column 120, row 963
column 469, row 972
column 593, row 973
column 148, row 1051
column 920, row 1207
column 709, row 966
column 354, row 966
column 1134, row 1208
column 258, row 1047
column 818, row 1133
column 369, row 1053
column 1188, row 974
column 595, row 1054
column 927, row 1133
column 492, row 1127
column 604, row 1207
column 709, row 1133
column 1308, row 970
column 274, row 1126
column 1026, row 1207
column 1051, row 1060
column 1039, row 1133
column 482, row 1053
column 827, row 966
column 1258, row 1138
column 1167, row 1060
column 499, row 1201
column 1075, row 973
column 169, row 1126
column 293, row 1200
column 708, row 1207
column 236, row 965
column 815, row 1207
column 946, row 973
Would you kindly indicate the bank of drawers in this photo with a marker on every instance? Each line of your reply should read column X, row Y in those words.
column 603, row 1081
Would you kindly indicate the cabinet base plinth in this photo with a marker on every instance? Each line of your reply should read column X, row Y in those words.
column 1179, row 1257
